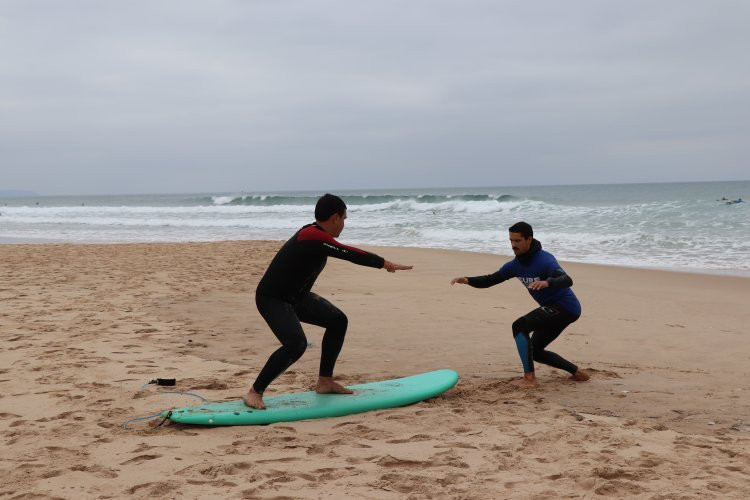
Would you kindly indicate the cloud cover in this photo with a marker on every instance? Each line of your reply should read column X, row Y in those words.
column 175, row 96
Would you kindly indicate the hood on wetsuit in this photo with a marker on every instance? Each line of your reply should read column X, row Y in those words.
column 535, row 247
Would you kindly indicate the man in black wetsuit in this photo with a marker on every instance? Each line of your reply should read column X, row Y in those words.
column 284, row 298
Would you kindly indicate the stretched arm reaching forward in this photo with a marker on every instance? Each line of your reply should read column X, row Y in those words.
column 480, row 281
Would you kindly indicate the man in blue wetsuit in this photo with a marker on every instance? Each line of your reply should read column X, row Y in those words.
column 549, row 285
column 284, row 298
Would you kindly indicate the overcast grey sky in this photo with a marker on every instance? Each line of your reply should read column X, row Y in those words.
column 183, row 96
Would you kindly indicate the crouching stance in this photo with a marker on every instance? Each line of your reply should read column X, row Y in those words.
column 284, row 298
column 549, row 285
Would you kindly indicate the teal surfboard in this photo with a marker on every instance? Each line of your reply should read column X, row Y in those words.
column 307, row 405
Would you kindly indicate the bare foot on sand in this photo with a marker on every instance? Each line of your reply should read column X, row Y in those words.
column 527, row 382
column 581, row 376
column 254, row 400
column 326, row 385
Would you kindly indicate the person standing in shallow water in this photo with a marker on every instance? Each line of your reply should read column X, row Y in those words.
column 549, row 286
column 284, row 298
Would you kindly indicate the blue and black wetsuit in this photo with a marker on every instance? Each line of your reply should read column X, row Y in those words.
column 559, row 306
column 284, row 300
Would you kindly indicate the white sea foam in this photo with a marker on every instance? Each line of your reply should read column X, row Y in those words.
column 646, row 226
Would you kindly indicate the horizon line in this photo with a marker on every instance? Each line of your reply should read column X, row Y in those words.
column 29, row 193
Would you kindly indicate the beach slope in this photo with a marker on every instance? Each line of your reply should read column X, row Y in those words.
column 84, row 327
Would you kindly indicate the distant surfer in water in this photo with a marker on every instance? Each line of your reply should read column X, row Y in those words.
column 549, row 286
column 284, row 298
column 731, row 202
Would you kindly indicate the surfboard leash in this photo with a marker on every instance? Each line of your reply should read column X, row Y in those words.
column 125, row 424
column 185, row 393
column 163, row 382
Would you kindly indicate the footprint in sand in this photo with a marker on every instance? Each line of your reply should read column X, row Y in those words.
column 142, row 447
column 451, row 479
column 51, row 474
column 140, row 459
column 391, row 461
column 59, row 450
column 596, row 373
column 307, row 477
column 457, row 444
column 449, row 458
column 158, row 489
column 331, row 473
column 96, row 470
column 398, row 417
column 343, row 424
column 414, row 438
column 619, row 488
column 209, row 385
column 401, row 483
column 278, row 460
column 616, row 473
column 217, row 471
column 242, row 373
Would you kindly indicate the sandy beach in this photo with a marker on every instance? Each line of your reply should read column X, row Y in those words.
column 84, row 327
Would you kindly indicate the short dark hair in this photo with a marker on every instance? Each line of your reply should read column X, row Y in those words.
column 327, row 205
column 523, row 229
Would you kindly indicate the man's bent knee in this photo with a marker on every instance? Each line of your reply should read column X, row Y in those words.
column 340, row 321
column 297, row 349
column 520, row 326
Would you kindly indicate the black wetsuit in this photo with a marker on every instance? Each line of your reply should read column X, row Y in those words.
column 284, row 300
column 559, row 307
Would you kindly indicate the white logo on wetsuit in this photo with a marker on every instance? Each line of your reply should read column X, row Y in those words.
column 527, row 280
column 343, row 250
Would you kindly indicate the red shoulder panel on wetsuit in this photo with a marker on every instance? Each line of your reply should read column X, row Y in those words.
column 314, row 233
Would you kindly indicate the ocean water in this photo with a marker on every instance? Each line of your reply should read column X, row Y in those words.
column 677, row 226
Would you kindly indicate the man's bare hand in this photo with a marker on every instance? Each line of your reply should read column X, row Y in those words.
column 463, row 280
column 392, row 267
column 538, row 285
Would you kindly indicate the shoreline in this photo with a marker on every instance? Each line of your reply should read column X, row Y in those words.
column 738, row 273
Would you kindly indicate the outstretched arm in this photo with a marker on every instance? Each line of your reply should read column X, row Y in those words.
column 321, row 241
column 480, row 281
column 335, row 249
column 324, row 242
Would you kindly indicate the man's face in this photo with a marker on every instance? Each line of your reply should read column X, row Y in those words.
column 338, row 223
column 519, row 244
